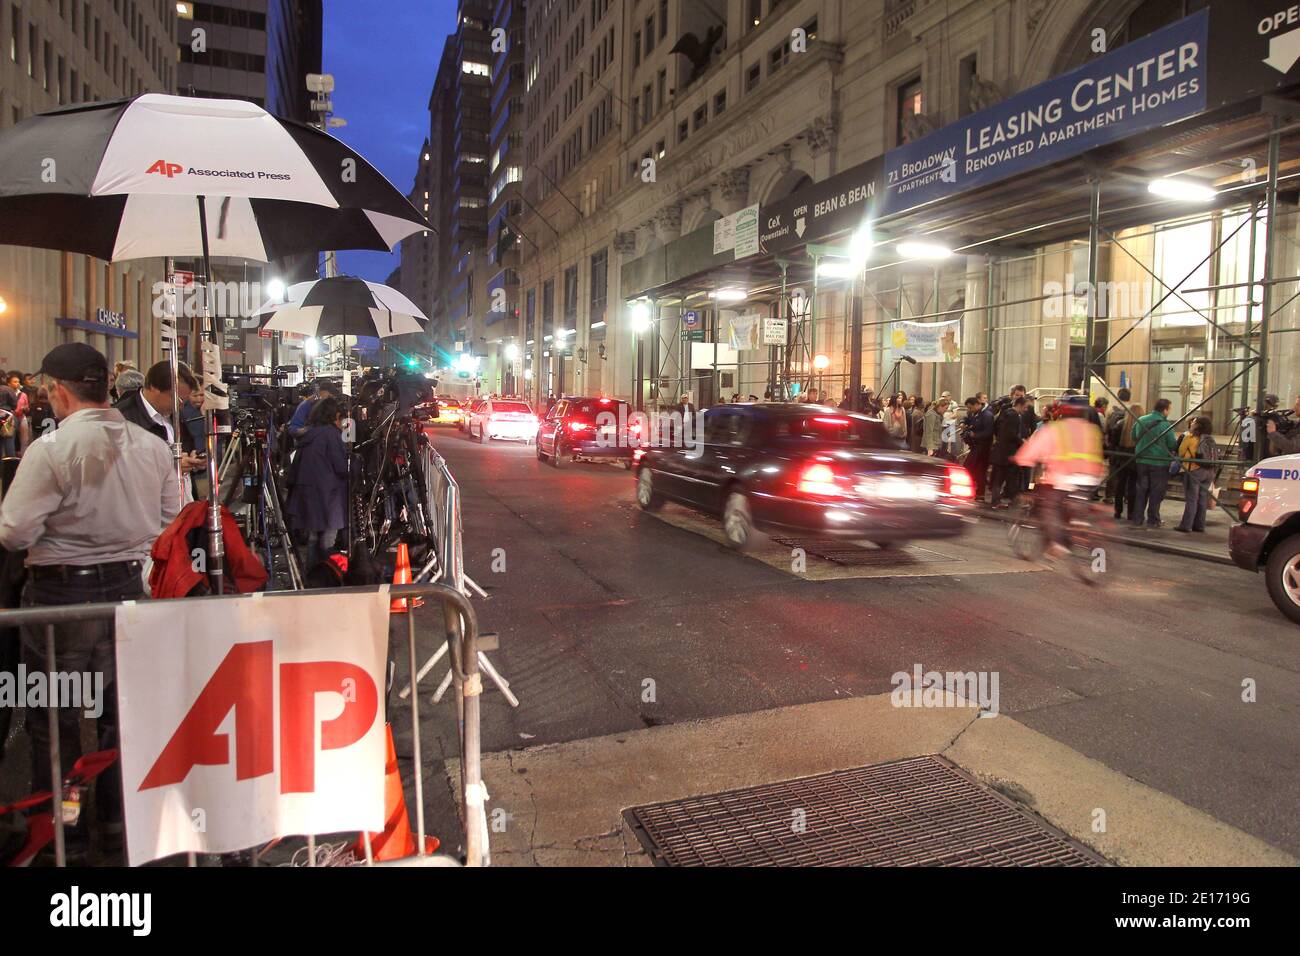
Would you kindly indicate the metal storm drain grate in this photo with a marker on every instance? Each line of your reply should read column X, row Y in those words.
column 922, row 811
column 839, row 551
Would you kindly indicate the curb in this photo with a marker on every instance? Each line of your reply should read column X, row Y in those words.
column 1145, row 544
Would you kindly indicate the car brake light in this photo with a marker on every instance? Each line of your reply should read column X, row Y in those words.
column 960, row 484
column 826, row 420
column 637, row 455
column 1249, row 497
column 820, row 479
column 578, row 426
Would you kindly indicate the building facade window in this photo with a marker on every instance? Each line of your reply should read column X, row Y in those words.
column 599, row 286
column 910, row 103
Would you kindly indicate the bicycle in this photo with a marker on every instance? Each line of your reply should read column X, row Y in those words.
column 1085, row 528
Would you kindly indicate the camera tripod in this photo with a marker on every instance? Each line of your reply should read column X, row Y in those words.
column 249, row 489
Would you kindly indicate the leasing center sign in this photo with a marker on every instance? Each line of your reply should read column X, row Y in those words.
column 1153, row 81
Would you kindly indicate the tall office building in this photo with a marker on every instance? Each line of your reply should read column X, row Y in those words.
column 257, row 50
column 500, row 340
column 63, row 53
column 261, row 51
column 449, row 270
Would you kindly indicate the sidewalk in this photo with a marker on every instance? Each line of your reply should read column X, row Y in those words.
column 562, row 804
column 1212, row 545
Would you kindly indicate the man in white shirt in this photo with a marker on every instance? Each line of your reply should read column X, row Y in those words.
column 86, row 504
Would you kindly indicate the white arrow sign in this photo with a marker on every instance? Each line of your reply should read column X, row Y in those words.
column 1283, row 51
column 799, row 227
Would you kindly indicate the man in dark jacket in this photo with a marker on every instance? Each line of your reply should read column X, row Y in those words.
column 1008, row 436
column 1280, row 444
column 979, row 436
column 150, row 407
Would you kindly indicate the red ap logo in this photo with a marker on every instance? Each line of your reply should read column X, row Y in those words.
column 245, row 682
column 164, row 168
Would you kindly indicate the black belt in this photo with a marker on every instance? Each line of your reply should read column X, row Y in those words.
column 68, row 572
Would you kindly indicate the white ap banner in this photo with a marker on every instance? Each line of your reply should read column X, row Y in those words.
column 250, row 718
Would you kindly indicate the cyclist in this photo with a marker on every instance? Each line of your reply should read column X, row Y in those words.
column 1069, row 449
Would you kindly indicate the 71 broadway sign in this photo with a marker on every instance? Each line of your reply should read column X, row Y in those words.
column 247, row 719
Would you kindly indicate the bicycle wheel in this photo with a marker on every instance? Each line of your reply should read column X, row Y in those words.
column 1025, row 537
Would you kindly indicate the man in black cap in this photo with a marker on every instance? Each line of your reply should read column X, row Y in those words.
column 86, row 504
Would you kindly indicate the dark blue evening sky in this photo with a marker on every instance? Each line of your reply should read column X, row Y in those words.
column 384, row 56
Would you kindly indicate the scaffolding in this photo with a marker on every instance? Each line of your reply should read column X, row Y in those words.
column 1074, row 276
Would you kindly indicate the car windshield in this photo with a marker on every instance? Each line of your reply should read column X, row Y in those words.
column 510, row 407
column 830, row 428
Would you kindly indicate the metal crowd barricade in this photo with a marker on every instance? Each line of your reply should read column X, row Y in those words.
column 463, row 649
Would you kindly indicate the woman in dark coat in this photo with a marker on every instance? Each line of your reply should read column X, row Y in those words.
column 317, row 508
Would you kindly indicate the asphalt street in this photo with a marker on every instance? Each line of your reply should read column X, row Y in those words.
column 612, row 620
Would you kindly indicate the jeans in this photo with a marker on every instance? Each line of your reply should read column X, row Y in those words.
column 9, row 446
column 320, row 544
column 1151, row 484
column 86, row 646
column 1197, row 491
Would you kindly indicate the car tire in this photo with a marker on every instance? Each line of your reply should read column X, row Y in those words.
column 737, row 521
column 557, row 459
column 541, row 455
column 1283, row 567
column 482, row 435
column 646, row 496
column 890, row 545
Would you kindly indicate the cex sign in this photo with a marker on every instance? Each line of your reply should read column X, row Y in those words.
column 245, row 719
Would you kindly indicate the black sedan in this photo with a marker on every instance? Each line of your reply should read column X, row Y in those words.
column 804, row 470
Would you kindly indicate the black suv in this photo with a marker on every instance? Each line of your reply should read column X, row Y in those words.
column 597, row 429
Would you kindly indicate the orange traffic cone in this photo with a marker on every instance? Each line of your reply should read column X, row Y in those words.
column 397, row 840
column 402, row 575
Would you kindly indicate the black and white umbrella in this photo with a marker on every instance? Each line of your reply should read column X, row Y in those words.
column 159, row 175
column 127, row 179
column 343, row 306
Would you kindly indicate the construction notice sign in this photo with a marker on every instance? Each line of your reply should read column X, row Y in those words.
column 249, row 718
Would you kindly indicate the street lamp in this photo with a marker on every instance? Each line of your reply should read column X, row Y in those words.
column 275, row 290
column 640, row 316
column 4, row 306
column 512, row 352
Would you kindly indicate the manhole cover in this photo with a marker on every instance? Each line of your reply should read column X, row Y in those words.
column 839, row 551
column 917, row 812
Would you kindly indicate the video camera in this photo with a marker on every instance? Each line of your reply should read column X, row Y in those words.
column 1283, row 418
column 262, row 395
column 390, row 389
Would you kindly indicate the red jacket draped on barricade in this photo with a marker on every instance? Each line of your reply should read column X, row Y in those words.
column 173, row 574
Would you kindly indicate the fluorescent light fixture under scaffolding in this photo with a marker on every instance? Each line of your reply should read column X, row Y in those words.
column 1181, row 189
column 920, row 249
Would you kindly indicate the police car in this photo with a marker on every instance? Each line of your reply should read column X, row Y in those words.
column 1268, row 536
